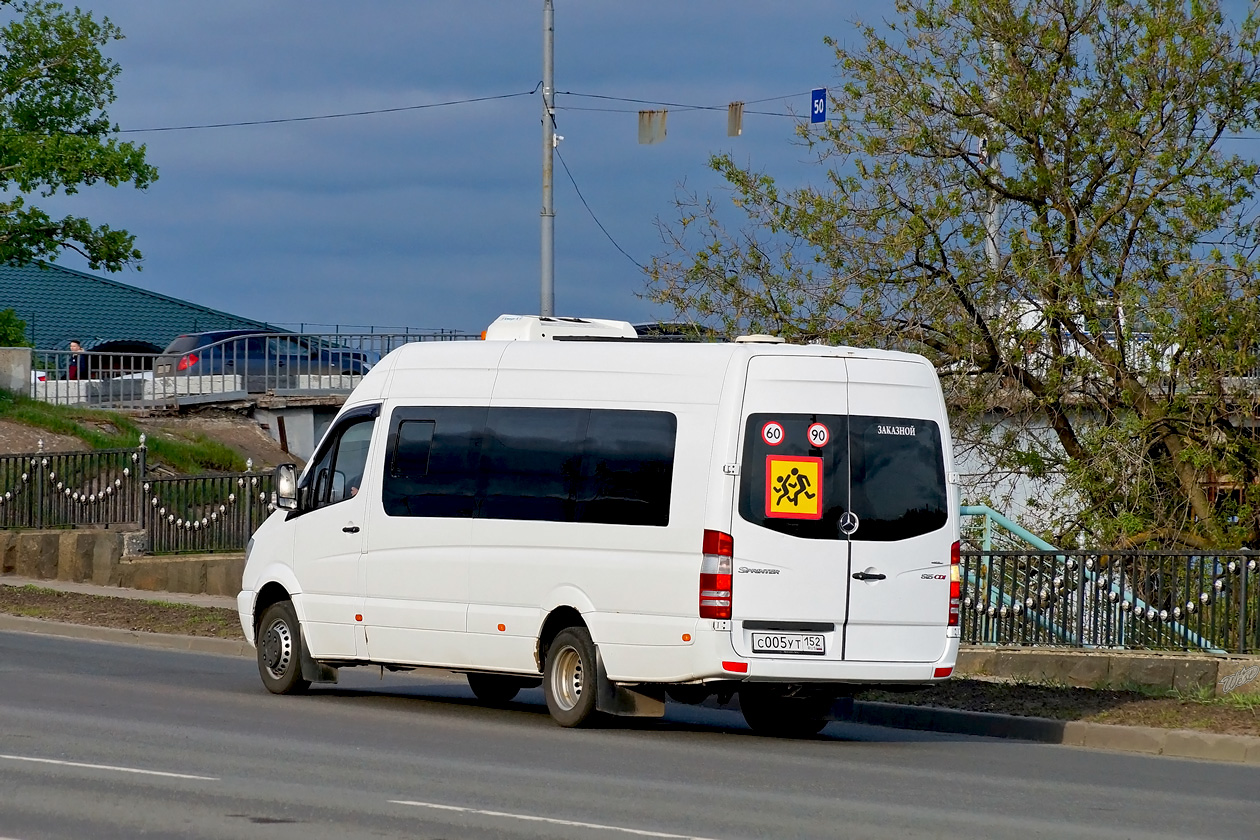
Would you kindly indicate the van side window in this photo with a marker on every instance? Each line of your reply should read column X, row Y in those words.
column 537, row 464
column 434, row 457
column 338, row 473
column 628, row 468
column 410, row 456
column 531, row 463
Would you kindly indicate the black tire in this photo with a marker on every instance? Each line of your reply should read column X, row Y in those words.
column 770, row 712
column 495, row 688
column 279, row 648
column 570, row 678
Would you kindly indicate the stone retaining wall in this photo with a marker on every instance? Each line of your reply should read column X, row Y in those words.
column 1184, row 672
column 112, row 558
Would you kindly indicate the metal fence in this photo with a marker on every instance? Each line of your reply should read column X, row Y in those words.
column 54, row 489
column 205, row 513
column 233, row 368
column 1159, row 600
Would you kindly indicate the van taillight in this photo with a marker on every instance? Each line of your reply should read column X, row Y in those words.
column 187, row 361
column 715, row 575
column 955, row 582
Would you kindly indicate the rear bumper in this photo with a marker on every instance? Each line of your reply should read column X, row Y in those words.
column 711, row 656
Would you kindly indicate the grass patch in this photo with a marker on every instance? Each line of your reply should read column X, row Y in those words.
column 111, row 430
column 125, row 613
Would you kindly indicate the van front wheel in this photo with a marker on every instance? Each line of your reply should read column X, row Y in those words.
column 280, row 650
column 570, row 681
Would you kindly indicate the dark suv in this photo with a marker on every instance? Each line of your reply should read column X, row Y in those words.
column 257, row 353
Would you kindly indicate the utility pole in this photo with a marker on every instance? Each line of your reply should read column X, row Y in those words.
column 548, row 297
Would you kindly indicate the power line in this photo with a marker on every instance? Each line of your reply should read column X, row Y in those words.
column 683, row 109
column 598, row 223
column 677, row 104
column 331, row 116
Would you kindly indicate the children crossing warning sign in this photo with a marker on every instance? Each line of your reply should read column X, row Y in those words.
column 794, row 487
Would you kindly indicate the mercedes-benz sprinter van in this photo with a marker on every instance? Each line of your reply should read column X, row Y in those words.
column 622, row 520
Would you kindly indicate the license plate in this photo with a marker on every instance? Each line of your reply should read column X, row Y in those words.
column 798, row 644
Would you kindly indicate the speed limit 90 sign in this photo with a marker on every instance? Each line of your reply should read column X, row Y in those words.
column 818, row 435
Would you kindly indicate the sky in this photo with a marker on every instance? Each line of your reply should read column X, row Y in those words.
column 430, row 218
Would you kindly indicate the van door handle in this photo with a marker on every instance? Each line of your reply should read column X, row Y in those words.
column 354, row 529
column 868, row 576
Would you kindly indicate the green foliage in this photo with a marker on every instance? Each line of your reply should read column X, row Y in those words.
column 111, row 430
column 1034, row 195
column 12, row 330
column 55, row 86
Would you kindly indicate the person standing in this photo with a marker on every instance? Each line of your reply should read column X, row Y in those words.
column 78, row 367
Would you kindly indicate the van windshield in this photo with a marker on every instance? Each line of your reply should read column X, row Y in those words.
column 802, row 472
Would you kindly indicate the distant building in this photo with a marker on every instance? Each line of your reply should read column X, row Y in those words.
column 60, row 304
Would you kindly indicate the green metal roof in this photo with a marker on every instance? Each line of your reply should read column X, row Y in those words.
column 60, row 304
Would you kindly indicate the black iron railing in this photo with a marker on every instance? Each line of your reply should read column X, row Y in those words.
column 204, row 513
column 1159, row 600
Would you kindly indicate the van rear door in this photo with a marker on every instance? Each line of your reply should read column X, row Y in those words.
column 898, row 605
column 790, row 565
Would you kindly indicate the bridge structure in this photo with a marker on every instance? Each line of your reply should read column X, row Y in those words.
column 293, row 382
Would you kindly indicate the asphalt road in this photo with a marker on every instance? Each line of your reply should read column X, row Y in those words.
column 111, row 741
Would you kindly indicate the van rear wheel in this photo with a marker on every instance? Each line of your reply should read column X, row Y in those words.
column 772, row 712
column 570, row 681
column 280, row 650
column 495, row 688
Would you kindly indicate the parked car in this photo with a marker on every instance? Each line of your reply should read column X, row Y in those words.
column 257, row 353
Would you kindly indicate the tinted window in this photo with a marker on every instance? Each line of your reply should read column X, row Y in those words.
column 817, row 518
column 897, row 487
column 628, row 468
column 889, row 471
column 433, row 456
column 412, row 445
column 531, row 462
column 550, row 464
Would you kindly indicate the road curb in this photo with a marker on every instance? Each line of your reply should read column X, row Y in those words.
column 1174, row 743
column 165, row 641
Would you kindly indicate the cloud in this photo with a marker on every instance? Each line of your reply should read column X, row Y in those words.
column 430, row 218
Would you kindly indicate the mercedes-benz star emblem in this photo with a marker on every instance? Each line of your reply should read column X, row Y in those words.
column 848, row 522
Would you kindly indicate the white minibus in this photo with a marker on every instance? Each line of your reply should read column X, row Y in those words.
column 624, row 520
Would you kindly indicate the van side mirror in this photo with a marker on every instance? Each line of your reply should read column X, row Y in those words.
column 286, row 487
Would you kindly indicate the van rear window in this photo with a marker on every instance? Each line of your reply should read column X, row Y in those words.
column 802, row 472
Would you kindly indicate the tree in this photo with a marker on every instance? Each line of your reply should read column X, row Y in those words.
column 12, row 330
column 1044, row 199
column 55, row 86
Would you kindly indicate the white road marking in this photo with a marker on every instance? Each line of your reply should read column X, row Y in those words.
column 551, row 820
column 109, row 767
